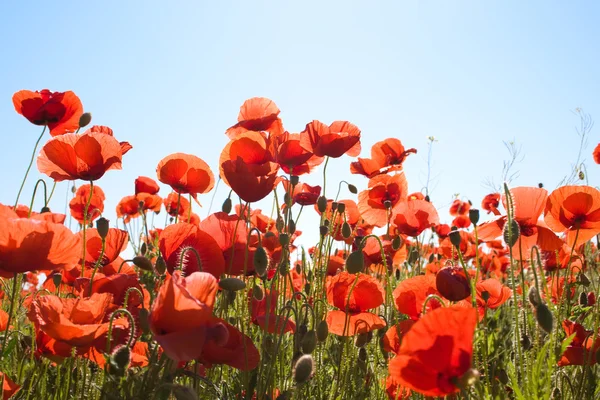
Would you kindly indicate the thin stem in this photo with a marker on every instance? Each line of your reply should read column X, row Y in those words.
column 29, row 167
column 13, row 299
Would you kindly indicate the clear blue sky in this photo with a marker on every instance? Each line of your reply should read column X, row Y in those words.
column 170, row 76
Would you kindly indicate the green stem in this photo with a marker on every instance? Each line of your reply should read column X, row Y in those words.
column 13, row 299
column 29, row 167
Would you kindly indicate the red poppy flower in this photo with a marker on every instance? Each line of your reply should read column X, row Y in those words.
column 335, row 140
column 461, row 221
column 582, row 349
column 351, row 215
column 410, row 295
column 9, row 388
column 596, row 154
column 491, row 202
column 81, row 156
column 264, row 313
column 130, row 206
column 528, row 203
column 497, row 294
column 436, row 352
column 257, row 114
column 143, row 184
column 95, row 206
column 125, row 146
column 231, row 235
column 413, row 217
column 60, row 111
column 393, row 336
column 28, row 244
column 386, row 156
column 176, row 238
column 181, row 316
column 293, row 158
column 115, row 243
column 384, row 193
column 46, row 215
column 353, row 301
column 576, row 211
column 177, row 205
column 117, row 285
column 185, row 173
column 81, row 322
column 303, row 193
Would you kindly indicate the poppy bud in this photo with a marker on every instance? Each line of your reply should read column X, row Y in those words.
column 102, row 226
column 346, row 230
column 323, row 230
column 304, row 369
column 85, row 119
column 474, row 216
column 57, row 279
column 584, row 280
column 142, row 263
column 322, row 331
column 322, row 204
column 534, row 296
column 309, row 342
column 73, row 189
column 302, row 329
column 307, row 288
column 540, row 185
column 362, row 354
column 143, row 249
column 261, row 261
column 452, row 283
column 387, row 204
column 284, row 239
column 397, row 274
column 352, row 188
column 361, row 340
column 396, row 243
column 355, row 262
column 120, row 360
column 44, row 210
column 583, row 300
column 581, row 175
column 144, row 318
column 279, row 224
column 184, row 393
column 257, row 293
column 286, row 198
column 291, row 227
column 544, row 317
column 334, row 206
column 284, row 268
column 226, row 207
column 160, row 265
column 427, row 199
column 511, row 232
column 326, row 223
column 232, row 284
column 455, row 238
column 294, row 179
column 525, row 342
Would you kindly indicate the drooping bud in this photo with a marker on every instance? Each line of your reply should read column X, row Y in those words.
column 322, row 331
column 279, row 224
column 261, row 261
column 102, row 225
column 291, row 227
column 120, row 360
column 544, row 317
column 226, row 207
column 396, row 242
column 160, row 265
column 85, row 119
column 361, row 340
column 309, row 342
column 511, row 232
column 257, row 293
column 142, row 263
column 474, row 216
column 352, row 188
column 304, row 369
column 355, row 262
column 534, row 296
column 362, row 354
column 321, row 204
column 143, row 249
column 232, row 284
column 584, row 280
column 346, row 230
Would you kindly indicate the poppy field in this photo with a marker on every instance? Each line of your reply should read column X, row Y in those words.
column 393, row 299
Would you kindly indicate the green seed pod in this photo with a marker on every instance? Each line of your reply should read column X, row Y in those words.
column 583, row 300
column 102, row 225
column 355, row 262
column 322, row 331
column 323, row 230
column 284, row 239
column 534, row 296
column 352, row 188
column 261, row 261
column 341, row 208
column 334, row 206
column 85, row 119
column 57, row 279
column 581, row 175
column 346, row 230
column 396, row 243
column 307, row 288
column 226, row 207
column 232, row 284
column 291, row 227
column 321, row 204
column 161, row 265
column 304, row 369
column 361, row 340
column 284, row 268
column 142, row 263
column 511, row 233
column 387, row 204
column 309, row 342
column 544, row 317
column 455, row 238
column 474, row 216
column 286, row 198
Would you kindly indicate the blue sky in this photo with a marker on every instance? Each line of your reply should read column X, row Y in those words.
column 170, row 77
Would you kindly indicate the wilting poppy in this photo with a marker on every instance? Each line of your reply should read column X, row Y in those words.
column 80, row 322
column 576, row 211
column 60, row 111
column 84, row 156
column 354, row 295
column 410, row 295
column 436, row 352
column 143, row 184
column 528, row 203
column 383, row 194
column 582, row 349
column 185, row 173
column 293, row 158
column 386, row 156
column 335, row 140
column 94, row 200
column 181, row 316
column 182, row 237
column 491, row 202
column 257, row 114
column 413, row 217
column 29, row 244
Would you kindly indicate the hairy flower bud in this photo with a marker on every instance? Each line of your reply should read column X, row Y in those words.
column 304, row 369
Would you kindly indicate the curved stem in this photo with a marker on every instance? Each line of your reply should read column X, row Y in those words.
column 33, row 196
column 29, row 167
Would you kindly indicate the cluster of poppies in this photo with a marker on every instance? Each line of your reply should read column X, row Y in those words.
column 217, row 290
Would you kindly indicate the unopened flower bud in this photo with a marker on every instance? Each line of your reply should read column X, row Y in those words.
column 309, row 342
column 346, row 230
column 85, row 119
column 583, row 300
column 455, row 238
column 304, row 369
column 226, row 207
column 284, row 239
column 120, row 360
column 511, row 232
column 544, row 317
column 323, row 230
column 352, row 188
column 257, row 293
column 355, row 262
column 102, row 225
column 322, row 204
column 474, row 216
column 160, row 265
column 261, row 261
column 341, row 208
column 294, row 179
column 396, row 242
column 534, row 296
column 322, row 331
column 142, row 263
column 291, row 227
column 232, row 284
